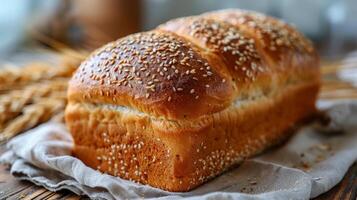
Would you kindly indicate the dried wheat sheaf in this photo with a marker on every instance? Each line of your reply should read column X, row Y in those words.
column 33, row 94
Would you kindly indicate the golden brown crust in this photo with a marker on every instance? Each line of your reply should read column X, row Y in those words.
column 204, row 64
column 178, row 105
column 281, row 45
column 273, row 35
column 155, row 72
column 229, row 45
column 180, row 155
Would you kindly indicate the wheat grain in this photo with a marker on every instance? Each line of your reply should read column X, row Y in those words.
column 31, row 116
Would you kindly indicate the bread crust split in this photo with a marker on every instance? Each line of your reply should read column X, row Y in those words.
column 176, row 106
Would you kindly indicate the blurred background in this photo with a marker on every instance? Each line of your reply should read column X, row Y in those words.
column 87, row 24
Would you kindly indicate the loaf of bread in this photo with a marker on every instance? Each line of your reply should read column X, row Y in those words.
column 179, row 105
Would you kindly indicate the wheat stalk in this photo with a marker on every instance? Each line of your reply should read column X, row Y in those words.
column 31, row 116
column 16, row 78
column 12, row 103
column 36, row 92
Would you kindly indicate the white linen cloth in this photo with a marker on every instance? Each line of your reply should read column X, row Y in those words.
column 308, row 164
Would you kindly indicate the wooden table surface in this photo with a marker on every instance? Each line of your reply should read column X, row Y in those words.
column 12, row 188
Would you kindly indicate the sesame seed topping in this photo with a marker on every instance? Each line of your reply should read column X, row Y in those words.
column 152, row 62
column 221, row 37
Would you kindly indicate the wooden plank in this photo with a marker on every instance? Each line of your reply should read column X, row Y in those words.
column 27, row 193
column 57, row 195
column 35, row 194
column 53, row 195
column 10, row 185
column 73, row 197
column 12, row 188
column 43, row 195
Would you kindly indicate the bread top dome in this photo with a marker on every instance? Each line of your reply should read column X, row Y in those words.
column 194, row 66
